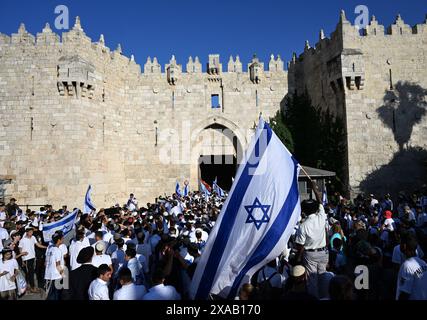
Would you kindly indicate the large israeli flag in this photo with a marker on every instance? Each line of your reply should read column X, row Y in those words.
column 65, row 225
column 88, row 205
column 256, row 220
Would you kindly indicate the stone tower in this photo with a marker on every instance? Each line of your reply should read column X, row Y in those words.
column 375, row 80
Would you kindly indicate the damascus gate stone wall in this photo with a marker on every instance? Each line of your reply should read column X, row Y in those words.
column 73, row 112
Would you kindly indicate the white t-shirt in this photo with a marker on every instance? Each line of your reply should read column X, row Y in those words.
column 2, row 217
column 399, row 257
column 28, row 245
column 311, row 233
column 130, row 292
column 97, row 260
column 4, row 235
column 389, row 224
column 118, row 257
column 98, row 290
column 53, row 255
column 162, row 292
column 75, row 248
column 412, row 279
column 10, row 266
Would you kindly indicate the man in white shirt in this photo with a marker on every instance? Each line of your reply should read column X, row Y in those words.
column 76, row 245
column 99, row 258
column 2, row 214
column 399, row 257
column 134, row 266
column 55, row 267
column 4, row 235
column 27, row 246
column 98, row 289
column 412, row 278
column 159, row 291
column 8, row 271
column 311, row 240
column 132, row 203
column 128, row 291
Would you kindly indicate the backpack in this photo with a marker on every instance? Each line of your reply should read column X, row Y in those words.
column 265, row 290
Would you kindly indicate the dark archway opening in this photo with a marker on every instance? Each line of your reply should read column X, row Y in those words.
column 222, row 167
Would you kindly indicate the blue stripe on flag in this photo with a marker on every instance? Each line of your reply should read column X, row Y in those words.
column 60, row 223
column 229, row 218
column 273, row 234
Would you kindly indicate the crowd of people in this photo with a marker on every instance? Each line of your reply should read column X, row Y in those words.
column 150, row 252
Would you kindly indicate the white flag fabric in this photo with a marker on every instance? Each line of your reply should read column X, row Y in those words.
column 256, row 221
column 88, row 205
column 65, row 225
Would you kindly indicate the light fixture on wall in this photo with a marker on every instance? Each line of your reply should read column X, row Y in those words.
column 156, row 130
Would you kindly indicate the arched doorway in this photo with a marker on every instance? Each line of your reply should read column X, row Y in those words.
column 217, row 153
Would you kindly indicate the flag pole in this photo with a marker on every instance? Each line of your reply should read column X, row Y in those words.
column 305, row 172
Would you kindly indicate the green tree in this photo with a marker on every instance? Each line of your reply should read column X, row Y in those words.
column 277, row 123
column 318, row 136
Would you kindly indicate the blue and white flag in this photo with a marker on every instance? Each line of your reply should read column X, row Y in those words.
column 256, row 221
column 65, row 225
column 324, row 196
column 204, row 189
column 177, row 189
column 88, row 205
column 217, row 188
column 186, row 190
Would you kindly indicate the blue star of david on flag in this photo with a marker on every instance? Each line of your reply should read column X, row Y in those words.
column 251, row 217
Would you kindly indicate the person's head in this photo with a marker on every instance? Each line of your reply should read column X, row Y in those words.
column 336, row 227
column 57, row 239
column 85, row 255
column 99, row 247
column 12, row 201
column 104, row 272
column 120, row 243
column 409, row 245
column 246, row 291
column 309, row 206
column 7, row 254
column 298, row 274
column 80, row 234
column 125, row 276
column 99, row 235
column 131, row 195
column 158, row 276
column 29, row 231
column 337, row 243
column 341, row 288
column 130, row 253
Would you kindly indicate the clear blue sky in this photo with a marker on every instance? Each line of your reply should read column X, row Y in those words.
column 189, row 27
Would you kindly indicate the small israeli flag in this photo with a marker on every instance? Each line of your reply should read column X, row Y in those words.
column 88, row 205
column 177, row 189
column 217, row 188
column 324, row 196
column 256, row 220
column 186, row 190
column 204, row 188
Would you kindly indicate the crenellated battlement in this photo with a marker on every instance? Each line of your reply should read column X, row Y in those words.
column 76, row 39
column 345, row 30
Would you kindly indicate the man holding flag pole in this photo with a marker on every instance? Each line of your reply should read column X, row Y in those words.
column 256, row 220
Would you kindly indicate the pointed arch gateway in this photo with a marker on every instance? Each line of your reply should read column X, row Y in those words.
column 217, row 149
